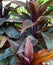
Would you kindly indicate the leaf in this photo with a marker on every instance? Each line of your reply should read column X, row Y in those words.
column 42, row 1
column 7, row 53
column 17, row 19
column 13, row 44
column 26, row 60
column 34, row 6
column 41, row 40
column 28, row 50
column 2, row 20
column 21, row 49
column 44, row 7
column 14, row 60
column 48, row 37
column 26, row 16
column 26, row 24
column 4, row 62
column 12, row 33
column 3, row 41
column 33, row 40
column 49, row 9
column 2, row 30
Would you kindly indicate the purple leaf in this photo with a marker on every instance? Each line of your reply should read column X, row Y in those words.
column 28, row 51
column 26, row 60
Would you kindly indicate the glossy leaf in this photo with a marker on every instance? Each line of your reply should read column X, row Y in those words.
column 7, row 53
column 11, row 32
column 28, row 51
column 48, row 36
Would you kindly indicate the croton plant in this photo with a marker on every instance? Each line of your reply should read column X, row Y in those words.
column 26, row 33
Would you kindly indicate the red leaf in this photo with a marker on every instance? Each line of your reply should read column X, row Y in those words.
column 28, row 51
column 26, row 24
column 34, row 6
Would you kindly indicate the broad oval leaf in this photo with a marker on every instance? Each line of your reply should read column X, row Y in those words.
column 28, row 50
column 12, row 33
column 7, row 53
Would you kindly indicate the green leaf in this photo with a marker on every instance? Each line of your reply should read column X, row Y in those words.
column 2, row 30
column 43, row 1
column 4, row 62
column 48, row 37
column 7, row 53
column 17, row 25
column 49, row 9
column 13, row 60
column 12, row 33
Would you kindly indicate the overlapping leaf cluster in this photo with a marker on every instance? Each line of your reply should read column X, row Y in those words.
column 24, row 32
